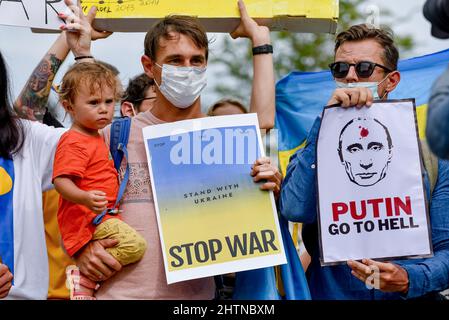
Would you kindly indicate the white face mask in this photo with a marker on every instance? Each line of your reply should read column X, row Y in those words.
column 370, row 85
column 182, row 86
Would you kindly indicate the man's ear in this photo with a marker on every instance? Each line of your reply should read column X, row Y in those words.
column 127, row 109
column 148, row 65
column 392, row 81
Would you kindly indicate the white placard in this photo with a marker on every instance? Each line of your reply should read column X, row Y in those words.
column 212, row 217
column 42, row 14
column 371, row 195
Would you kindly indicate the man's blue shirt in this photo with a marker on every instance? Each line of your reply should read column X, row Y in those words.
column 298, row 202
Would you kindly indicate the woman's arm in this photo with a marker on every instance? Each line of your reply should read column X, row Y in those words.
column 32, row 101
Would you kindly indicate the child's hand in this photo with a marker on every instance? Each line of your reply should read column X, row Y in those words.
column 95, row 200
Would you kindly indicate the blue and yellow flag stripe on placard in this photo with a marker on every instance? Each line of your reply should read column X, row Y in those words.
column 301, row 96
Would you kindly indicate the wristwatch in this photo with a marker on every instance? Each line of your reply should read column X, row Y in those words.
column 266, row 48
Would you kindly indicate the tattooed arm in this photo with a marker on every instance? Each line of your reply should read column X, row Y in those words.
column 32, row 101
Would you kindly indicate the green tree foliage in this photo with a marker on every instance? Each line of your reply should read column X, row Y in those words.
column 292, row 51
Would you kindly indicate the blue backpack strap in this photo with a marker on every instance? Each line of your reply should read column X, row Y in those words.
column 117, row 146
column 119, row 135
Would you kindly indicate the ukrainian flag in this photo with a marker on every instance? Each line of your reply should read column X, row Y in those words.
column 6, row 213
column 301, row 96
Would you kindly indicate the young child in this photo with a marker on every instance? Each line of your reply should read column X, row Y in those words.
column 85, row 176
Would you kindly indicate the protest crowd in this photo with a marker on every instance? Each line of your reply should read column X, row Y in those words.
column 89, row 202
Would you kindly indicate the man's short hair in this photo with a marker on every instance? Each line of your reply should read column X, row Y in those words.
column 384, row 37
column 188, row 26
column 137, row 87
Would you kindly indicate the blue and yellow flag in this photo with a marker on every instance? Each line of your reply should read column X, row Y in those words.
column 301, row 96
column 6, row 213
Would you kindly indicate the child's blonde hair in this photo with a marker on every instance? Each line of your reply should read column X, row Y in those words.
column 91, row 74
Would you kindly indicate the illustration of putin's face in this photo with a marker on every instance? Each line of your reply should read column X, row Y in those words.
column 365, row 150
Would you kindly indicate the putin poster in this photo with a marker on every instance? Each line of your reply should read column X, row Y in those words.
column 370, row 183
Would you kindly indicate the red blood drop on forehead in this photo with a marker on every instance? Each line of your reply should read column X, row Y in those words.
column 364, row 132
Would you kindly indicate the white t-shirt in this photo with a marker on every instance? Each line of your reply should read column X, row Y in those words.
column 33, row 167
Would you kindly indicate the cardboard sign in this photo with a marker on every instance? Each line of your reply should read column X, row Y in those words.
column 217, row 16
column 138, row 15
column 212, row 216
column 371, row 193
column 42, row 14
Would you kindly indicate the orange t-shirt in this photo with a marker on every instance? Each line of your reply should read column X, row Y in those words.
column 87, row 160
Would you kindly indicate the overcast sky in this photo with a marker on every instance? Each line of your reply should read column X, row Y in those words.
column 24, row 49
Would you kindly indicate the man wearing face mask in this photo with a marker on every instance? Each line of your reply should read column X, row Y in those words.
column 176, row 55
column 365, row 69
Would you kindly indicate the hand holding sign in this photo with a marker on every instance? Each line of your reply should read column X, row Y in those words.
column 5, row 280
column 80, row 29
column 385, row 276
column 262, row 169
column 349, row 97
column 248, row 28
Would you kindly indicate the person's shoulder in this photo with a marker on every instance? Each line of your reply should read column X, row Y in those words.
column 39, row 125
column 41, row 132
column 146, row 118
column 29, row 125
column 73, row 139
column 75, row 136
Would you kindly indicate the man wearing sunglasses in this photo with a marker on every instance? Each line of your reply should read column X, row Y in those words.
column 365, row 69
column 139, row 95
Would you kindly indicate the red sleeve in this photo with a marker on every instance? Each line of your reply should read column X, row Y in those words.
column 71, row 157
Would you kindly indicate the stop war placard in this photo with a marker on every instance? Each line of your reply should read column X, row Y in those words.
column 212, row 217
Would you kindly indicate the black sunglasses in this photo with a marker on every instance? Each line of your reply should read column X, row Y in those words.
column 364, row 69
column 141, row 99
